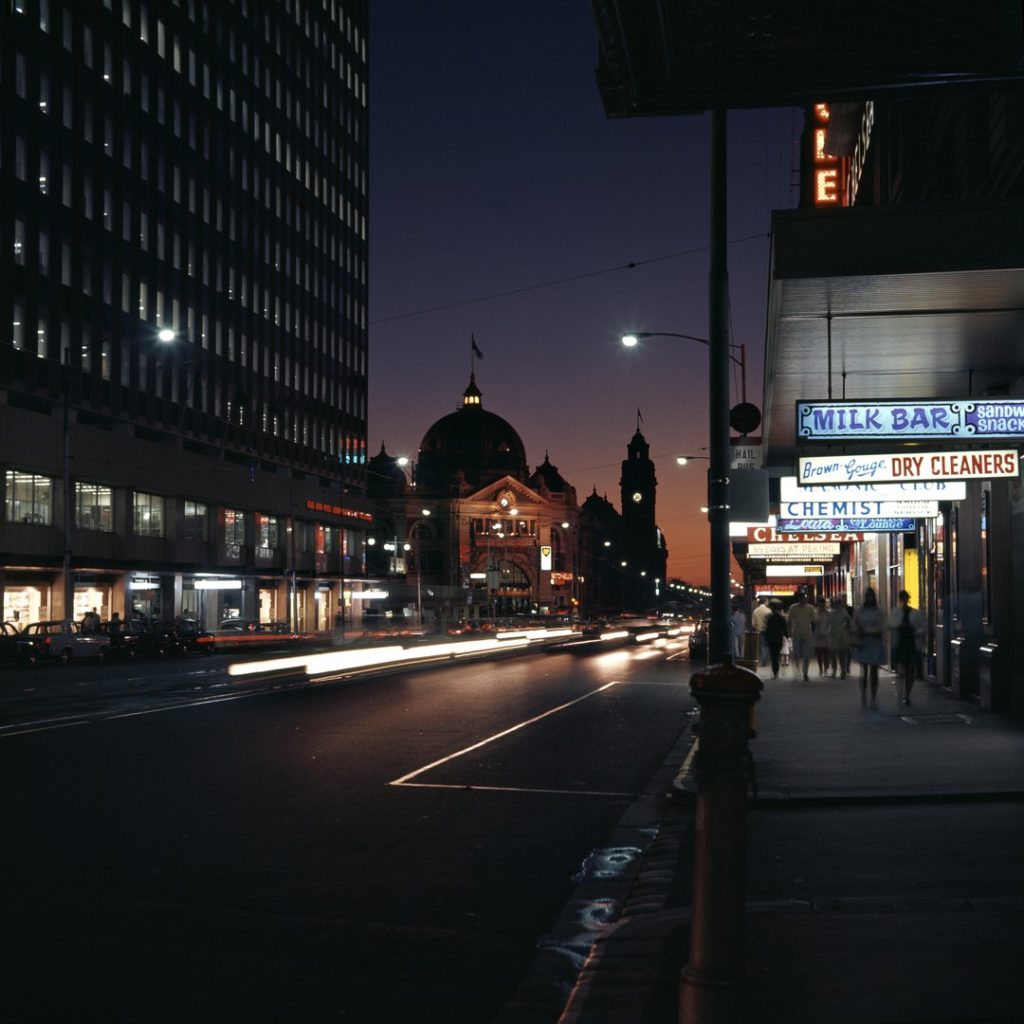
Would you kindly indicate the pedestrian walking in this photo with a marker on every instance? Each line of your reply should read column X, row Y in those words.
column 908, row 628
column 802, row 617
column 738, row 620
column 821, row 640
column 840, row 631
column 776, row 632
column 868, row 626
column 758, row 618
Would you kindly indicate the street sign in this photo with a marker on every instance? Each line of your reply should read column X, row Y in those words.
column 767, row 534
column 910, row 490
column 747, row 453
column 955, row 420
column 827, row 508
column 909, row 466
column 878, row 525
column 787, row 550
column 794, row 570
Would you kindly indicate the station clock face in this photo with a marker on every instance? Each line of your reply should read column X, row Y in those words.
column 637, row 497
column 506, row 499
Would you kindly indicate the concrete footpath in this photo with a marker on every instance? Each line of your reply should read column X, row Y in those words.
column 885, row 870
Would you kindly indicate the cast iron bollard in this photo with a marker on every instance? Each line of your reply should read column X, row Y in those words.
column 714, row 987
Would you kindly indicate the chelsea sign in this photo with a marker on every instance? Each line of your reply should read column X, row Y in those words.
column 999, row 419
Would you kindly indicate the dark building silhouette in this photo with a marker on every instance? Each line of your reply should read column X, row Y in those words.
column 198, row 169
column 473, row 535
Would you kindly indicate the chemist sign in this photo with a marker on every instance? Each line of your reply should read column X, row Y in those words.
column 829, row 508
column 910, row 465
column 937, row 419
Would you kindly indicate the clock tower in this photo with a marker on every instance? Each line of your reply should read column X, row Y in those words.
column 645, row 554
column 639, row 489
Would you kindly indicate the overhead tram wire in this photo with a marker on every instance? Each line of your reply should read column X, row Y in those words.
column 554, row 283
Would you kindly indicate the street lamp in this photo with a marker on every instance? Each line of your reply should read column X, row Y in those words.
column 633, row 339
column 425, row 512
column 746, row 418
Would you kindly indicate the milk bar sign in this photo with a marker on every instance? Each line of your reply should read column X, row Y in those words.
column 898, row 466
column 965, row 419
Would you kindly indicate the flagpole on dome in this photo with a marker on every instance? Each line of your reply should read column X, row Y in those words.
column 474, row 353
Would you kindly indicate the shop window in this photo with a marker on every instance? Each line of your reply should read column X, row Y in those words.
column 148, row 515
column 194, row 521
column 29, row 498
column 94, row 505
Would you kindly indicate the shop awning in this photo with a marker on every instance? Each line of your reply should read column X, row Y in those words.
column 919, row 302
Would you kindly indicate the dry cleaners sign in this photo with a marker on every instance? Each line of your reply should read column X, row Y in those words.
column 899, row 466
column 996, row 420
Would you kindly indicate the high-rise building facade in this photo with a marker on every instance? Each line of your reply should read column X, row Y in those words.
column 183, row 353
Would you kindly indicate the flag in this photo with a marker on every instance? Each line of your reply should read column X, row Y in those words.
column 476, row 349
column 639, row 417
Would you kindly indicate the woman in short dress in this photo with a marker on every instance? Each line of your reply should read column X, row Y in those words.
column 869, row 626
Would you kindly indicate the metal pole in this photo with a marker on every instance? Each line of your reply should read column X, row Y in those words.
column 719, row 648
column 714, row 987
column 69, row 583
column 419, row 580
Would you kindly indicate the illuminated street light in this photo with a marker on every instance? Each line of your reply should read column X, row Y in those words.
column 632, row 339
column 743, row 418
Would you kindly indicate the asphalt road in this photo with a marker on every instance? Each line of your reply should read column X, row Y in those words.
column 388, row 849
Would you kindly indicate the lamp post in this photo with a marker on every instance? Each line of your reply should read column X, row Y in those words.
column 69, row 583
column 425, row 513
column 633, row 339
column 719, row 646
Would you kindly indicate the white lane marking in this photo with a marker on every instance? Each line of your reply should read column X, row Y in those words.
column 497, row 736
column 511, row 789
column 25, row 728
column 48, row 727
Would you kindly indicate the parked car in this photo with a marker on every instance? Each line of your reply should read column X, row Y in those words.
column 181, row 636
column 699, row 641
column 130, row 638
column 15, row 649
column 63, row 640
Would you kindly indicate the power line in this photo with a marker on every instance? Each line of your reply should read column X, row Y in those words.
column 552, row 284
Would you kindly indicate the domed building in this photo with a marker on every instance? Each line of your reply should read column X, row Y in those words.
column 468, row 448
column 474, row 536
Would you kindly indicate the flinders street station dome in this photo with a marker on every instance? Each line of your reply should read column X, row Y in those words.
column 470, row 446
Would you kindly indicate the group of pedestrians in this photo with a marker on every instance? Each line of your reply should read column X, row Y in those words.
column 835, row 635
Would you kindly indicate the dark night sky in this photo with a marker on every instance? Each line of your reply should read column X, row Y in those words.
column 493, row 169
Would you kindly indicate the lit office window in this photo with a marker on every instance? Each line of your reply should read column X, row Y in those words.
column 234, row 531
column 148, row 514
column 29, row 498
column 94, row 506
column 194, row 521
column 266, row 533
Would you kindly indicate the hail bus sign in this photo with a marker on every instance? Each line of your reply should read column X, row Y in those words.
column 935, row 419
